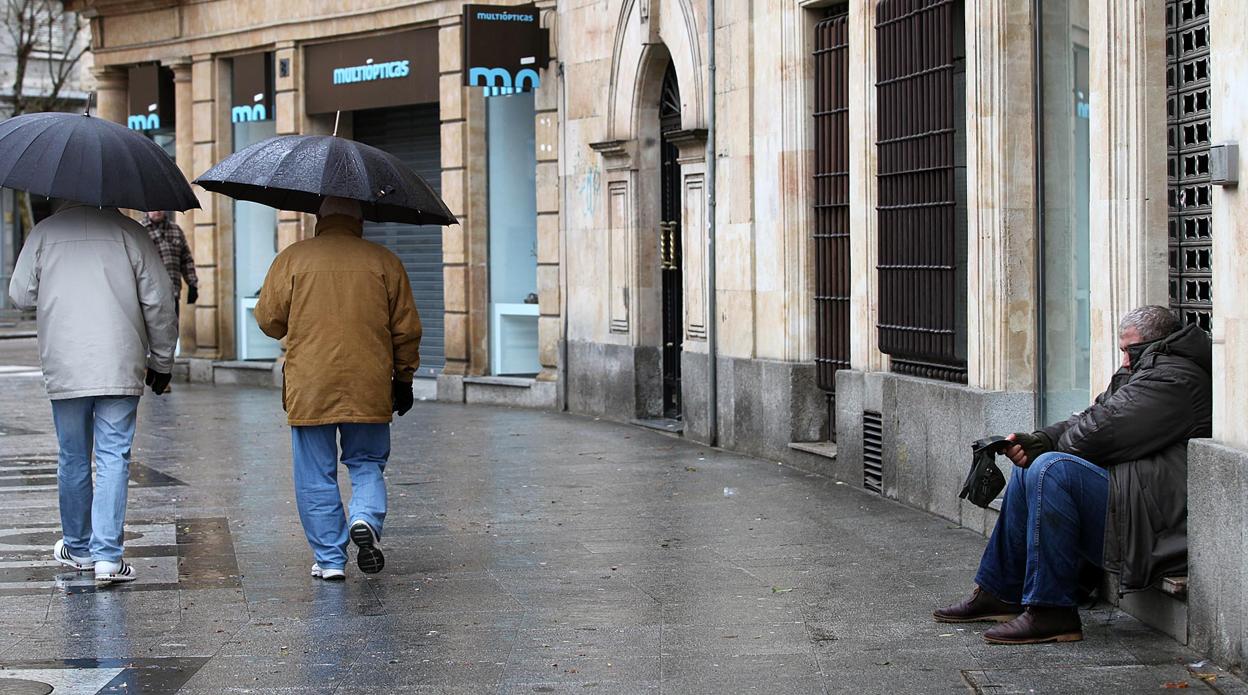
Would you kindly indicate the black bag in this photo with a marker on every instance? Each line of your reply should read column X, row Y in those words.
column 985, row 480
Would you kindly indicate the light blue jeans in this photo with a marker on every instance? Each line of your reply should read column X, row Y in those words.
column 365, row 450
column 93, row 519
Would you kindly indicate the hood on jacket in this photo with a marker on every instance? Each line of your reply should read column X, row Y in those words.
column 1190, row 343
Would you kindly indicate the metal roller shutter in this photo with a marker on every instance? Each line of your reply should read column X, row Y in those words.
column 413, row 134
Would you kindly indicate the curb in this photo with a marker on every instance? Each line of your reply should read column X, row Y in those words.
column 18, row 336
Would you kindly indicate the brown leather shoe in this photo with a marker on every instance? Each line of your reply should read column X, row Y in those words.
column 1037, row 625
column 980, row 607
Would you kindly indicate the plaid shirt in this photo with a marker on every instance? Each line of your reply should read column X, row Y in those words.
column 174, row 251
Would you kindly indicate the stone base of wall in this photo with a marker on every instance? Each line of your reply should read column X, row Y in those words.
column 204, row 371
column 764, row 405
column 506, row 391
column 618, row 382
column 928, row 428
column 1217, row 528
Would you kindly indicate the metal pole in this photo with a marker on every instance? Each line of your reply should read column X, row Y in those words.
column 712, row 323
column 563, row 239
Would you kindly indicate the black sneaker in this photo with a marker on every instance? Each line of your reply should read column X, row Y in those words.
column 370, row 559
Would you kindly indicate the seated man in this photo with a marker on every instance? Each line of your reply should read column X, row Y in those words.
column 1106, row 487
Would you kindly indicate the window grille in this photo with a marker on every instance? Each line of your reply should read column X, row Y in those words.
column 922, row 178
column 1189, row 191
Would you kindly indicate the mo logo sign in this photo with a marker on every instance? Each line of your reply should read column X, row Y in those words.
column 247, row 114
column 504, row 47
column 140, row 121
column 500, row 81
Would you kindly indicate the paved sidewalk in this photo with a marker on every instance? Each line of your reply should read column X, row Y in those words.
column 527, row 552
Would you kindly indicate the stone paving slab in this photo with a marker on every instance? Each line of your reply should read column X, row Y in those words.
column 527, row 552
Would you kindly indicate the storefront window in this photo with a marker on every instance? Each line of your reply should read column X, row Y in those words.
column 513, row 235
column 1063, row 122
column 255, row 225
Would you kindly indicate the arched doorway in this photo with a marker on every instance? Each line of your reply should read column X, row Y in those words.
column 671, row 251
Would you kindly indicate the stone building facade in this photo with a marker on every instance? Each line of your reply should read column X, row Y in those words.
column 207, row 50
column 849, row 236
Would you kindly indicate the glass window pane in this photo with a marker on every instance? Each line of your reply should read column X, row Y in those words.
column 1064, row 112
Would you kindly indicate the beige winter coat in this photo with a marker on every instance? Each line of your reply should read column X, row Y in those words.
column 345, row 307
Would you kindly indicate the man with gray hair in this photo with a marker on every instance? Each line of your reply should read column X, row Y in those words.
column 1107, row 488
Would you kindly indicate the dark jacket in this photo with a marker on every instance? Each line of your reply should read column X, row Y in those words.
column 1138, row 429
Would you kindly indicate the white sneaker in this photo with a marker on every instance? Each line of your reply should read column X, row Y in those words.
column 118, row 572
column 329, row 575
column 63, row 556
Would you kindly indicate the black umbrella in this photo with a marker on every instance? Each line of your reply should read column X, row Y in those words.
column 90, row 160
column 297, row 172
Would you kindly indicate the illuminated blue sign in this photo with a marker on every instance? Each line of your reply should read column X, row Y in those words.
column 370, row 71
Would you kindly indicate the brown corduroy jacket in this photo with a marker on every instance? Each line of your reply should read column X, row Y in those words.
column 345, row 307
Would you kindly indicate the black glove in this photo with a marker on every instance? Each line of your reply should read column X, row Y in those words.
column 192, row 294
column 158, row 381
column 401, row 391
column 1033, row 444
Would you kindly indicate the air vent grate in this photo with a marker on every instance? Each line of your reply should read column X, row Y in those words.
column 872, row 451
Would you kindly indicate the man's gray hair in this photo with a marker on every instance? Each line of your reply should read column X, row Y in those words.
column 1150, row 322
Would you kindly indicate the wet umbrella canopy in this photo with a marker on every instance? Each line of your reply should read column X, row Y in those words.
column 297, row 172
column 90, row 160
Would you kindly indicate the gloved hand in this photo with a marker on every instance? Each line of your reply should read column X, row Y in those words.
column 401, row 391
column 1028, row 447
column 192, row 294
column 158, row 381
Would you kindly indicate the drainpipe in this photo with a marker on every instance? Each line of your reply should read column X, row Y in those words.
column 563, row 238
column 712, row 323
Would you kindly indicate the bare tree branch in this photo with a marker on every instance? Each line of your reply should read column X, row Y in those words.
column 33, row 27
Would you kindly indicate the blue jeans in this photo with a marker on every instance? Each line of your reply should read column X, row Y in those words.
column 365, row 450
column 1052, row 520
column 93, row 519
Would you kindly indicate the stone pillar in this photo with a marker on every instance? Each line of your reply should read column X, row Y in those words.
column 549, row 199
column 464, row 246
column 185, row 153
column 212, row 293
column 110, row 92
column 1230, row 208
column 1127, row 139
column 864, row 245
column 288, row 114
column 1000, row 196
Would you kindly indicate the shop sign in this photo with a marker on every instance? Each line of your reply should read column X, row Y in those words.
column 251, row 93
column 150, row 97
column 372, row 72
column 504, row 47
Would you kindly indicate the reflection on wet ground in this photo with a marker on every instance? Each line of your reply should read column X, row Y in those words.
column 527, row 552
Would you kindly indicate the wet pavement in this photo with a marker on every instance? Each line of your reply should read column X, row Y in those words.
column 526, row 552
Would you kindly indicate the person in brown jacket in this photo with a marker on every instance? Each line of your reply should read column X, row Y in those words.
column 345, row 307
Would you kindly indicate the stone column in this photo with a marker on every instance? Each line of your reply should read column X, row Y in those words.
column 1229, row 116
column 864, row 245
column 204, row 137
column 1127, row 139
column 288, row 114
column 110, row 92
column 185, row 153
column 1000, row 196
column 464, row 246
column 549, row 199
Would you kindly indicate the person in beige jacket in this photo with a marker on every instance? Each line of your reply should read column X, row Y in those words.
column 344, row 306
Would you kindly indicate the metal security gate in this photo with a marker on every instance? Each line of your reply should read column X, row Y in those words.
column 1189, row 190
column 671, row 253
column 831, row 209
column 921, row 176
column 413, row 134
